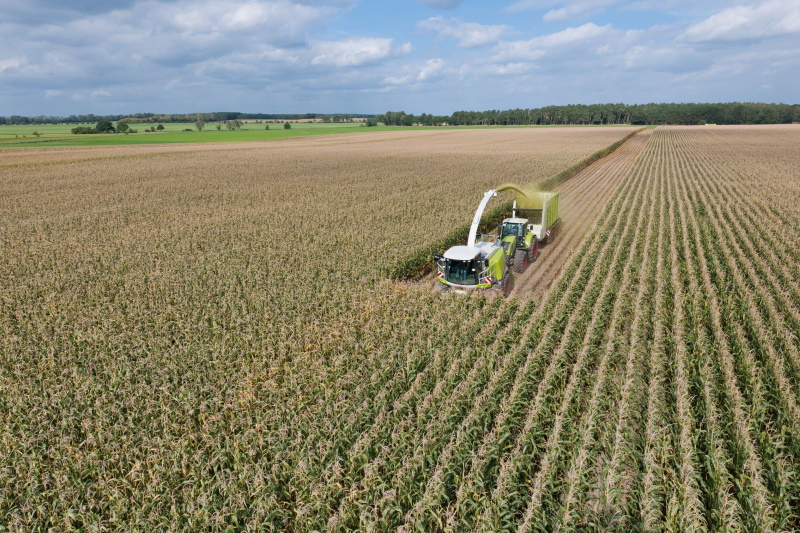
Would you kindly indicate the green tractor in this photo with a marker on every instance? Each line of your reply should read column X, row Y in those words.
column 526, row 228
column 520, row 245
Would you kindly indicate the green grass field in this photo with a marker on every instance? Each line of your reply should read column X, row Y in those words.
column 61, row 135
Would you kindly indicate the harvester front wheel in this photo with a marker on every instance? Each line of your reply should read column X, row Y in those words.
column 533, row 253
column 520, row 261
column 508, row 284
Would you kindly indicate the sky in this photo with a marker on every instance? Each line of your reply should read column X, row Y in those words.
column 64, row 57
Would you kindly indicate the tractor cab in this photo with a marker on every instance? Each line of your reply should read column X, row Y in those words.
column 516, row 228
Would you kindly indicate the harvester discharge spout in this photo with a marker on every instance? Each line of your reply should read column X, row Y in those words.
column 476, row 220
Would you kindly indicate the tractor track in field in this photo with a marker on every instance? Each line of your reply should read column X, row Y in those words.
column 583, row 199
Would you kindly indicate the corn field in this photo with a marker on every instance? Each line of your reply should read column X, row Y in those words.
column 204, row 338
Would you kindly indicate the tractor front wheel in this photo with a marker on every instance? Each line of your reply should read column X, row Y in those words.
column 520, row 261
column 533, row 253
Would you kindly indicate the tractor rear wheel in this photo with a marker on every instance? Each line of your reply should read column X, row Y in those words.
column 533, row 253
column 520, row 261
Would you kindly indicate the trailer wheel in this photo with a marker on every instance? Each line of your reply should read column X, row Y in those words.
column 552, row 234
column 520, row 261
column 508, row 284
column 533, row 253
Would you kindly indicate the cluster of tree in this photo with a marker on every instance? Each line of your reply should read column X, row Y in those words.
column 337, row 118
column 103, row 126
column 230, row 125
column 135, row 118
column 75, row 119
column 80, row 130
column 722, row 113
column 106, row 126
column 401, row 118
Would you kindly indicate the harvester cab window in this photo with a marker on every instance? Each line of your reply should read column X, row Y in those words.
column 461, row 272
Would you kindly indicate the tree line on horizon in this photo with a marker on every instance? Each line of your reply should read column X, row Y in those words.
column 580, row 114
column 574, row 114
column 217, row 116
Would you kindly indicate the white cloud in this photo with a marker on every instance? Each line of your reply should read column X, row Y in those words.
column 660, row 5
column 275, row 21
column 512, row 69
column 172, row 39
column 530, row 5
column 590, row 36
column 416, row 73
column 431, row 69
column 588, row 50
column 52, row 93
column 398, row 80
column 279, row 55
column 576, row 10
column 172, row 35
column 356, row 51
column 654, row 56
column 179, row 83
column 768, row 19
column 404, row 48
column 257, row 14
column 100, row 93
column 7, row 64
column 442, row 4
column 568, row 10
column 468, row 34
